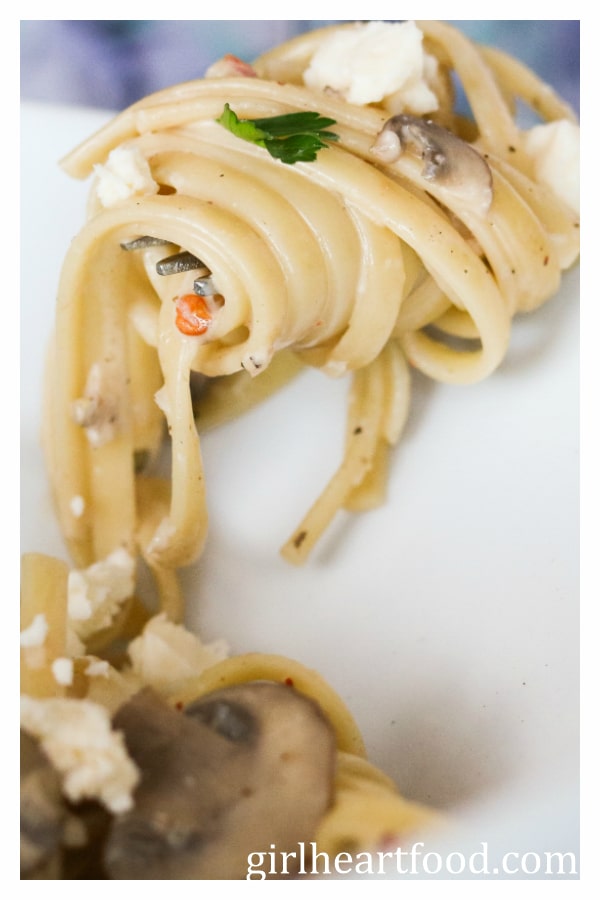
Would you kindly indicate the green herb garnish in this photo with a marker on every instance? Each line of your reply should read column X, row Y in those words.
column 294, row 137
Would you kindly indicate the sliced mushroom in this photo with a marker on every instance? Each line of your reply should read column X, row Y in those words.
column 85, row 835
column 43, row 812
column 58, row 839
column 142, row 243
column 450, row 163
column 180, row 262
column 240, row 770
column 205, row 286
column 176, row 263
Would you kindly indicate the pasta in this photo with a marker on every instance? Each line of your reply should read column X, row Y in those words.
column 350, row 263
column 77, row 722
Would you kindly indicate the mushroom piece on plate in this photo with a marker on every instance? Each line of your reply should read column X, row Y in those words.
column 239, row 770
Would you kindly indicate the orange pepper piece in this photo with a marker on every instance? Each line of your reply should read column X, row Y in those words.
column 192, row 314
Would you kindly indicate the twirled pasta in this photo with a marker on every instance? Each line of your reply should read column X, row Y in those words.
column 349, row 263
column 365, row 811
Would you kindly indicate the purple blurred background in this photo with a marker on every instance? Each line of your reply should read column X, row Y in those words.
column 111, row 63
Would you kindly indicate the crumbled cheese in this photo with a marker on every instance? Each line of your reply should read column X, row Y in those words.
column 80, row 607
column 126, row 173
column 77, row 506
column 165, row 652
column 97, row 410
column 375, row 60
column 98, row 667
column 96, row 594
column 554, row 148
column 77, row 737
column 62, row 669
column 35, row 634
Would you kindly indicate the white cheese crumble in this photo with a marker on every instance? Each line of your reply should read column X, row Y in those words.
column 98, row 668
column 62, row 669
column 165, row 652
column 375, row 60
column 554, row 149
column 95, row 594
column 77, row 737
column 126, row 173
column 97, row 410
column 77, row 506
column 35, row 634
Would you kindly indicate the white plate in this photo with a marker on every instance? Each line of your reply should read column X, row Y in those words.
column 448, row 619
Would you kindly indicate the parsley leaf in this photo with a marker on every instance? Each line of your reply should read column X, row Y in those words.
column 242, row 128
column 291, row 138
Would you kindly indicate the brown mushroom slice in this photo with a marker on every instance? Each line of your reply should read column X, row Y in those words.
column 43, row 812
column 450, row 163
column 242, row 769
column 82, row 859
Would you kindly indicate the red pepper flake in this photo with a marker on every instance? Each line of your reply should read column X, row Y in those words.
column 192, row 314
column 388, row 841
column 239, row 66
column 179, row 705
column 289, row 682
